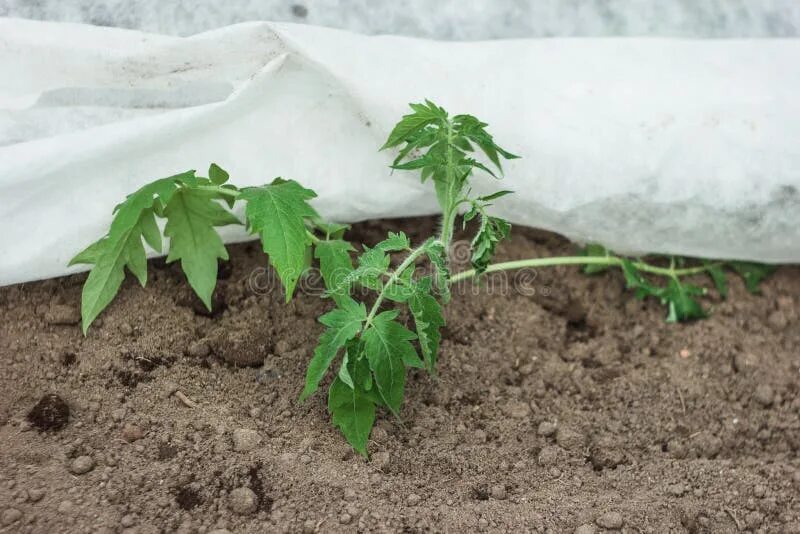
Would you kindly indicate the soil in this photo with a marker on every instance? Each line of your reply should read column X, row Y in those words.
column 562, row 404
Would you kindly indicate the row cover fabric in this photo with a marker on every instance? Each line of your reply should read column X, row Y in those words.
column 442, row 19
column 659, row 145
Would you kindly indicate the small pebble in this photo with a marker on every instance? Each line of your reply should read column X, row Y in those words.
column 546, row 429
column 586, row 528
column 243, row 501
column 345, row 519
column 245, row 439
column 35, row 494
column 81, row 465
column 131, row 433
column 610, row 520
column 498, row 491
column 125, row 329
column 413, row 499
column 764, row 395
column 744, row 363
column 199, row 349
column 570, row 438
column 128, row 520
column 65, row 507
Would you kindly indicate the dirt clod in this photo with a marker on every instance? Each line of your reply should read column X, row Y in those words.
column 243, row 501
column 570, row 438
column 11, row 516
column 546, row 429
column 245, row 439
column 81, row 465
column 131, row 433
column 50, row 413
column 764, row 395
column 610, row 520
column 499, row 492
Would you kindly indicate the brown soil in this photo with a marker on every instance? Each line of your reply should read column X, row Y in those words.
column 577, row 407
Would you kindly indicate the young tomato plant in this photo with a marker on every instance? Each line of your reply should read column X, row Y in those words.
column 367, row 341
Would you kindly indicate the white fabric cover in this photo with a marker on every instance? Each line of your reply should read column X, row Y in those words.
column 660, row 145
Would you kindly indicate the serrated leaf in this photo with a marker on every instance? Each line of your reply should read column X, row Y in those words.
column 387, row 345
column 353, row 412
column 752, row 273
column 192, row 216
column 217, row 174
column 396, row 242
column 122, row 246
column 428, row 320
column 343, row 323
column 491, row 232
column 682, row 304
column 412, row 123
column 278, row 214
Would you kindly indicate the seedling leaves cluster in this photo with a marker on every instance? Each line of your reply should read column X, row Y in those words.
column 367, row 345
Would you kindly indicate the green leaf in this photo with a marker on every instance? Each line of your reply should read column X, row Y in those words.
column 493, row 196
column 682, row 305
column 335, row 265
column 423, row 115
column 217, row 175
column 428, row 319
column 491, row 232
column 192, row 216
column 343, row 323
column 717, row 275
column 278, row 213
column 595, row 251
column 396, row 242
column 752, row 273
column 353, row 412
column 122, row 246
column 387, row 345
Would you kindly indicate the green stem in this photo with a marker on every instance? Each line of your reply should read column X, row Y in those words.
column 416, row 253
column 610, row 261
column 449, row 211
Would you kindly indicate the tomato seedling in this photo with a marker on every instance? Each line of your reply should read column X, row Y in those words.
column 365, row 340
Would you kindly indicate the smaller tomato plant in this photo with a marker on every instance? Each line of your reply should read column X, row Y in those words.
column 365, row 341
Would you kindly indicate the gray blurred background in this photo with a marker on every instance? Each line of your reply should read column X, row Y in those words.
column 439, row 19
